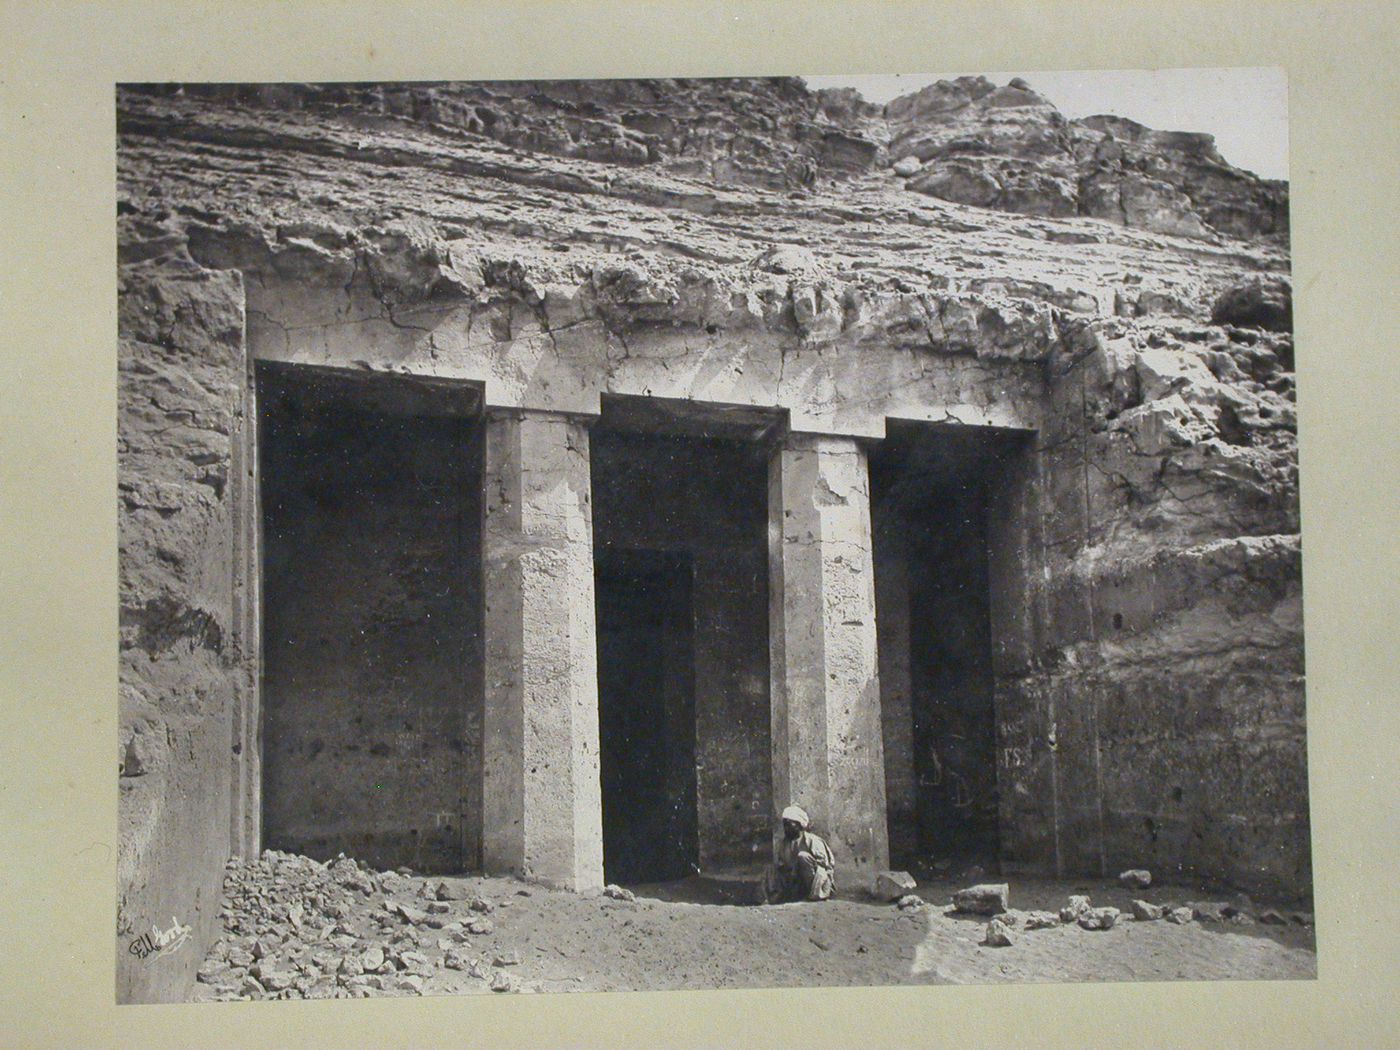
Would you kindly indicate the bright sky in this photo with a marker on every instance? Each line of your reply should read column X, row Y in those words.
column 1245, row 109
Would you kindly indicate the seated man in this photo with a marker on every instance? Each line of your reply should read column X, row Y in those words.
column 806, row 869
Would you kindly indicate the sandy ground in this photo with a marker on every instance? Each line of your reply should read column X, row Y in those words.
column 305, row 930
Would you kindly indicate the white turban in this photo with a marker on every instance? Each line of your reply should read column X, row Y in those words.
column 798, row 814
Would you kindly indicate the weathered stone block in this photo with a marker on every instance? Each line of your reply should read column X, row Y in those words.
column 998, row 935
column 984, row 899
column 1208, row 911
column 891, row 885
column 1145, row 912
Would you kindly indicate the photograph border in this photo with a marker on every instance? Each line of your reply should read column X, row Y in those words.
column 59, row 479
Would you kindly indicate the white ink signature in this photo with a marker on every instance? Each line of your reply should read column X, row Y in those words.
column 160, row 942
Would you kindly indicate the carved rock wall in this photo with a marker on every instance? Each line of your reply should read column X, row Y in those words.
column 1162, row 715
column 183, row 629
column 1149, row 685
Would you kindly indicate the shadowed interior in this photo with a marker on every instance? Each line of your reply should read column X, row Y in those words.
column 932, row 491
column 372, row 671
column 646, row 688
column 680, row 551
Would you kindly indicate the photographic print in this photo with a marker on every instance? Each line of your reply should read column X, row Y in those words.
column 614, row 535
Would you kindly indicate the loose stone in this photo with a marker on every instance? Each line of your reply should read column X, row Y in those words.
column 998, row 935
column 984, row 899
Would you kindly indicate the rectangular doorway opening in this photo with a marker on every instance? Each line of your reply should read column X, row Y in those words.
column 646, row 703
column 370, row 491
column 681, row 568
column 936, row 494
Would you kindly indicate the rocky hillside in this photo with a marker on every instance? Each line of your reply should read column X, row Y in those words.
column 966, row 140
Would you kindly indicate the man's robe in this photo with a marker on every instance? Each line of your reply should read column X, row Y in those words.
column 806, row 870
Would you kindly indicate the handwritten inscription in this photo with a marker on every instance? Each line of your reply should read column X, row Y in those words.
column 160, row 942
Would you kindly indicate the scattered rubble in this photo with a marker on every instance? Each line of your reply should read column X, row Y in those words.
column 409, row 914
column 1041, row 920
column 453, row 890
column 1208, row 911
column 1136, row 878
column 293, row 929
column 1239, row 903
column 503, row 982
column 345, row 943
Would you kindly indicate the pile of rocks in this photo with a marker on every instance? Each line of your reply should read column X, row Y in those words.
column 1079, row 911
column 296, row 928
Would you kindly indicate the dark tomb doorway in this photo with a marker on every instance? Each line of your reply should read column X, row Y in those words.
column 935, row 495
column 372, row 689
column 646, row 703
column 680, row 541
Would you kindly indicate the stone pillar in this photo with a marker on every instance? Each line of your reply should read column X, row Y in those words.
column 541, row 800
column 828, row 756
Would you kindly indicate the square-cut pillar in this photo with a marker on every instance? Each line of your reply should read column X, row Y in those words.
column 541, row 800
column 828, row 756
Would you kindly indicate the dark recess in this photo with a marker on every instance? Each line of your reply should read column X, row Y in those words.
column 370, row 491
column 646, row 702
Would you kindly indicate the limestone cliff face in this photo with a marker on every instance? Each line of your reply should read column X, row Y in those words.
column 1007, row 147
column 767, row 133
column 964, row 255
column 965, row 140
